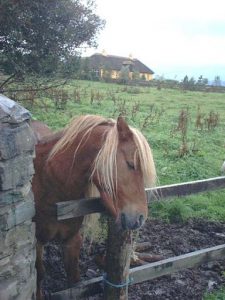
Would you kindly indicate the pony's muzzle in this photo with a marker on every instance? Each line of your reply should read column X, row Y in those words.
column 131, row 222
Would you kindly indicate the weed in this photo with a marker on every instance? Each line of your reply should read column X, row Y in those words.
column 97, row 97
column 76, row 96
column 121, row 108
column 152, row 117
column 215, row 295
column 134, row 110
column 59, row 97
column 178, row 212
column 133, row 90
column 212, row 120
column 199, row 123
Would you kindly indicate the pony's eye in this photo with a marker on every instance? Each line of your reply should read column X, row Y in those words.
column 130, row 165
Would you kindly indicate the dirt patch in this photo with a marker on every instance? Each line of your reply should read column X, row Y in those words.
column 167, row 240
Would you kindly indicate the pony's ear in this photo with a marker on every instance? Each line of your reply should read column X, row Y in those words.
column 123, row 129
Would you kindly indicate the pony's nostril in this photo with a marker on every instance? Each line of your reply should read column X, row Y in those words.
column 123, row 221
column 131, row 222
column 141, row 220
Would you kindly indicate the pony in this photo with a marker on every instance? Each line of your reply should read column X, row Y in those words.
column 40, row 130
column 92, row 151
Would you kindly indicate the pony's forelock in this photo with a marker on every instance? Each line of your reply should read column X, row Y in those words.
column 144, row 154
column 105, row 164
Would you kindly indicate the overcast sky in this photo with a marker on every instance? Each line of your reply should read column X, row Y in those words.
column 172, row 37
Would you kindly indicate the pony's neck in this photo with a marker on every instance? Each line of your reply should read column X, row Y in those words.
column 51, row 138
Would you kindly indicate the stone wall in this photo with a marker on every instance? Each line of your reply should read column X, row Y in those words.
column 17, row 232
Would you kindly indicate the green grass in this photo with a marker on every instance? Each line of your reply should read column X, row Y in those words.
column 218, row 295
column 156, row 113
column 205, row 205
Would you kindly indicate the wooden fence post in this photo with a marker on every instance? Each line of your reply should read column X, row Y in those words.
column 116, row 278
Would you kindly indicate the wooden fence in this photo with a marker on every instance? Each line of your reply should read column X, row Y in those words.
column 75, row 208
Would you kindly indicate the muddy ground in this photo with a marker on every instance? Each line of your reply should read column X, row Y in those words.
column 167, row 240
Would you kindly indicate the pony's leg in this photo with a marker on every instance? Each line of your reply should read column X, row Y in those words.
column 40, row 268
column 71, row 251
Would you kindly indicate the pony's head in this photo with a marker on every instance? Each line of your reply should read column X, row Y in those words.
column 112, row 156
column 122, row 169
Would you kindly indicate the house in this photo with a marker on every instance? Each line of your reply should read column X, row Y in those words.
column 112, row 66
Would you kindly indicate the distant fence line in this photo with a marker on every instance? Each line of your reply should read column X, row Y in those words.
column 169, row 83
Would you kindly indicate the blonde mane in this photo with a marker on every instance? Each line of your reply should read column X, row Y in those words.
column 78, row 125
column 105, row 164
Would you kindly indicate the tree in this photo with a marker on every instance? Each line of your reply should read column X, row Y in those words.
column 136, row 75
column 85, row 71
column 217, row 81
column 185, row 82
column 106, row 73
column 202, row 82
column 188, row 84
column 124, row 74
column 39, row 36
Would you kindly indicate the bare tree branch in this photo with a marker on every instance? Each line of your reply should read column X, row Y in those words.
column 44, row 88
column 7, row 81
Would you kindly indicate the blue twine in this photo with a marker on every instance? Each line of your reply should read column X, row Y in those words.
column 121, row 285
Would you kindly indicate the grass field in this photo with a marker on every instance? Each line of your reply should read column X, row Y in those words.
column 185, row 131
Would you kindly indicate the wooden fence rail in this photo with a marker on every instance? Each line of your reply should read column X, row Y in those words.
column 146, row 272
column 75, row 208
column 82, row 207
